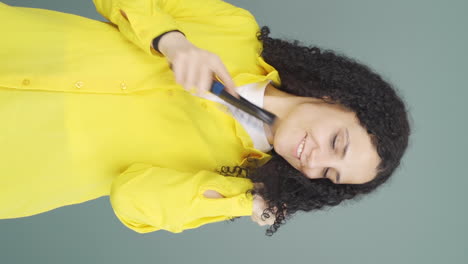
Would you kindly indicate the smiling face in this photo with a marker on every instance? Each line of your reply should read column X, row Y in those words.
column 336, row 145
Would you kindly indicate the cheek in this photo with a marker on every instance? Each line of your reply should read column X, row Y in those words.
column 283, row 140
column 279, row 147
column 286, row 142
column 281, row 135
column 288, row 135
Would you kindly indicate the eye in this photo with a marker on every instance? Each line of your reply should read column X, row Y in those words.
column 325, row 172
column 334, row 141
column 333, row 147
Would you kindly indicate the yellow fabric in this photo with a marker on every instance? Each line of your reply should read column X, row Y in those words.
column 142, row 183
column 88, row 110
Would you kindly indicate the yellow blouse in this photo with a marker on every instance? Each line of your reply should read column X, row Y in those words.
column 88, row 109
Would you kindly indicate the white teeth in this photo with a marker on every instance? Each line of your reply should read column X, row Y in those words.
column 301, row 147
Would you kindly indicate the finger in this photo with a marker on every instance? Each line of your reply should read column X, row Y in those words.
column 224, row 75
column 271, row 220
column 179, row 72
column 205, row 81
column 256, row 219
column 268, row 219
column 192, row 74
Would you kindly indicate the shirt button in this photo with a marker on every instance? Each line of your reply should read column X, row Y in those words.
column 26, row 82
column 204, row 105
column 169, row 92
column 123, row 86
column 79, row 84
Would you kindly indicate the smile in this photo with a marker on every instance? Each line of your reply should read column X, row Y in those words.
column 300, row 148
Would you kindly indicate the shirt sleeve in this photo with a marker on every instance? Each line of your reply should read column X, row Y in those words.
column 146, row 198
column 148, row 19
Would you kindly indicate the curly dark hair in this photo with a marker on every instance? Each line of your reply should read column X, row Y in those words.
column 312, row 72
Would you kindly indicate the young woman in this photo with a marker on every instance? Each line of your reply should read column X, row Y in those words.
column 93, row 108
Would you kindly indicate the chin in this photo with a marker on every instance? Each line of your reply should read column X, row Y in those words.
column 293, row 161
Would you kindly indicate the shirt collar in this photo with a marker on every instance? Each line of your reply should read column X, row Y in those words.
column 255, row 93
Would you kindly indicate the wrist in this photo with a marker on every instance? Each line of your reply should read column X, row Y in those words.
column 166, row 41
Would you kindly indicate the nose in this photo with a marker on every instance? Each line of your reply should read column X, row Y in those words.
column 318, row 161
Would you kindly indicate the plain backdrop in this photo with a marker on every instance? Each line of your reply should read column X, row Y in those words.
column 419, row 216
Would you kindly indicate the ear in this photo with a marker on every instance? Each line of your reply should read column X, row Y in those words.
column 326, row 99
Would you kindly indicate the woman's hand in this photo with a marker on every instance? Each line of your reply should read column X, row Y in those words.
column 192, row 66
column 259, row 205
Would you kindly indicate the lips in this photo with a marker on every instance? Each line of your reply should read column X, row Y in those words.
column 297, row 147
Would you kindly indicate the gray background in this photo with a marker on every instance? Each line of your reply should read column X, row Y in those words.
column 420, row 216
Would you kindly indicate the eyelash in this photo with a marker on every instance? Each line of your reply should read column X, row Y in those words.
column 333, row 146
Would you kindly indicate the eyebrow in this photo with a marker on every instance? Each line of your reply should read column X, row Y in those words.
column 344, row 154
